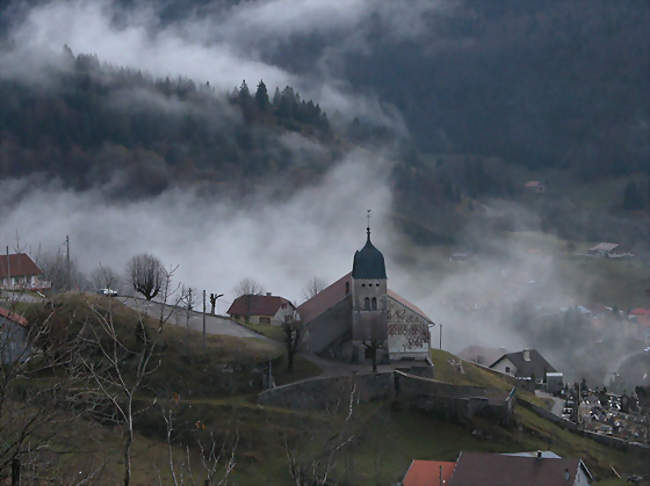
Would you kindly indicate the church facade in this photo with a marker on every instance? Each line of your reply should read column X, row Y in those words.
column 359, row 311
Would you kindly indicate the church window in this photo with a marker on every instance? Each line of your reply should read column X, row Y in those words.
column 363, row 285
column 376, row 285
column 366, row 303
column 374, row 303
column 347, row 288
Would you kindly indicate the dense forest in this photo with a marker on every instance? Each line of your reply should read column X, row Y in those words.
column 97, row 122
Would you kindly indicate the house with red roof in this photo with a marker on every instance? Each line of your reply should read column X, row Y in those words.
column 358, row 314
column 13, row 336
column 537, row 468
column 262, row 309
column 18, row 271
column 429, row 473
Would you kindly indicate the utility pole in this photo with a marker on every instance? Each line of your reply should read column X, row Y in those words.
column 440, row 335
column 203, row 318
column 67, row 262
column 8, row 269
column 189, row 308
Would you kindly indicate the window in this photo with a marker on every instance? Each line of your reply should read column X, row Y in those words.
column 374, row 303
column 363, row 285
column 366, row 303
column 376, row 285
column 347, row 288
column 507, row 369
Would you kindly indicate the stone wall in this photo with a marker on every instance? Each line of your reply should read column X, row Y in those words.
column 448, row 401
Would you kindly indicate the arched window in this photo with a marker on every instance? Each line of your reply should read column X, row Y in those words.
column 374, row 303
column 366, row 303
column 347, row 288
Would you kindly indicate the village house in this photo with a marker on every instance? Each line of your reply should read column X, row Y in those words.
column 358, row 315
column 525, row 365
column 537, row 187
column 18, row 271
column 534, row 468
column 262, row 309
column 13, row 336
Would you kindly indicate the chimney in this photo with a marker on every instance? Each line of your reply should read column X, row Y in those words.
column 526, row 354
column 268, row 294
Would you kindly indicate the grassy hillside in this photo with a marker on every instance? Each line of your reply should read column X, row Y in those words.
column 385, row 438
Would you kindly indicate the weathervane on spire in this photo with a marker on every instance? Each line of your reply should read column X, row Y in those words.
column 368, row 213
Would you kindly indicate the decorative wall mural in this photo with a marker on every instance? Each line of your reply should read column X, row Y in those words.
column 406, row 329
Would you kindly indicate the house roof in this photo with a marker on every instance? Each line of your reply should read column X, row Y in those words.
column 368, row 262
column 537, row 364
column 643, row 320
column 427, row 473
column 395, row 296
column 20, row 265
column 325, row 299
column 484, row 469
column 640, row 311
column 257, row 305
column 13, row 317
column 489, row 355
column 604, row 246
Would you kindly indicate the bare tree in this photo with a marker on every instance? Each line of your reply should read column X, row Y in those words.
column 308, row 468
column 293, row 334
column 217, row 457
column 118, row 371
column 372, row 346
column 31, row 415
column 313, row 287
column 104, row 277
column 248, row 286
column 147, row 275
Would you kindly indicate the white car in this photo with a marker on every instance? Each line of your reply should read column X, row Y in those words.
column 107, row 292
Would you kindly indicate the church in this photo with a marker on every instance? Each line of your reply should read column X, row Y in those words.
column 358, row 312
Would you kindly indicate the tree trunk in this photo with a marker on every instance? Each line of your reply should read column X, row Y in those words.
column 15, row 472
column 290, row 361
column 374, row 358
column 127, row 457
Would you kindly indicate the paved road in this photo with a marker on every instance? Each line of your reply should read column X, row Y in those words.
column 558, row 403
column 178, row 316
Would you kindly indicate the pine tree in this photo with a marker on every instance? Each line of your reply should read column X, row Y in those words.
column 262, row 97
column 632, row 198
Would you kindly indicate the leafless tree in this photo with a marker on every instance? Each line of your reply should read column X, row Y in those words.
column 147, row 275
column 372, row 346
column 217, row 457
column 293, row 334
column 32, row 415
column 104, row 277
column 118, row 371
column 248, row 286
column 308, row 468
column 313, row 287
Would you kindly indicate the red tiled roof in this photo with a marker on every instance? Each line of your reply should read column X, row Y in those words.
column 408, row 304
column 257, row 305
column 13, row 317
column 483, row 469
column 323, row 300
column 427, row 473
column 21, row 265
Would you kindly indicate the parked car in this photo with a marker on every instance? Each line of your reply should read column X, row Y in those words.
column 107, row 292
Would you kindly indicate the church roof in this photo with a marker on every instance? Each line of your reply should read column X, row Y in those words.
column 398, row 298
column 368, row 262
column 325, row 299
